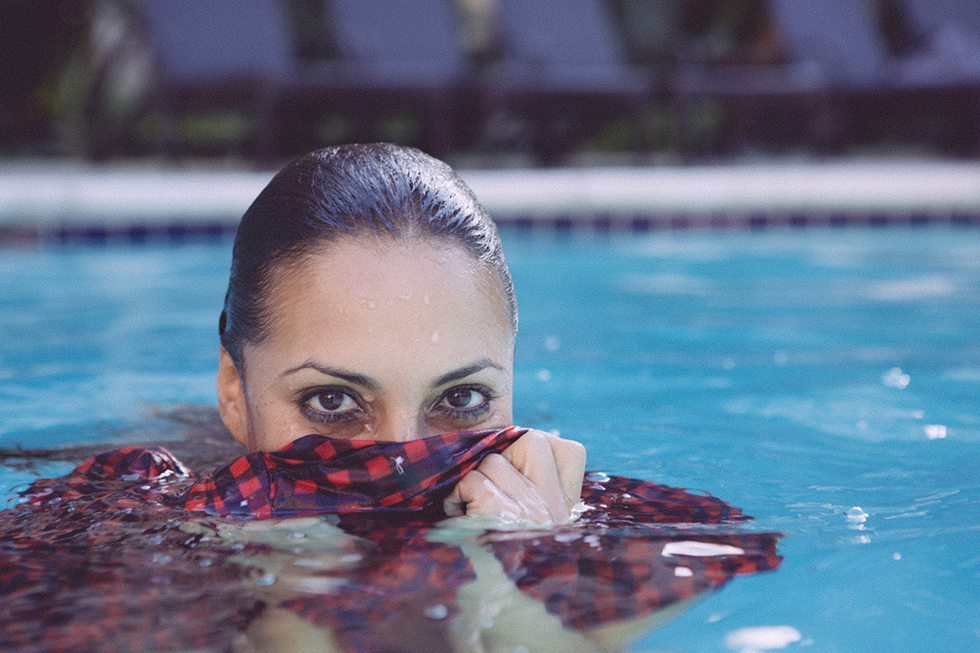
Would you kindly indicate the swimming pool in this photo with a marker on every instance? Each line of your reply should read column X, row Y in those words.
column 826, row 381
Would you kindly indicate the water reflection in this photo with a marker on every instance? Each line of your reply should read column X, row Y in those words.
column 111, row 567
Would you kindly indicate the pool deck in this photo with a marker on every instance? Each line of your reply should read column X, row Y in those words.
column 48, row 199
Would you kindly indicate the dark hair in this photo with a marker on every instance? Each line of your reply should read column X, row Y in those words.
column 344, row 191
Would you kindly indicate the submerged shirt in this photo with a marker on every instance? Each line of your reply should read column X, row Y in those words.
column 118, row 524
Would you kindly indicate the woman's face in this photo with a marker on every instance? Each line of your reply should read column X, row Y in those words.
column 375, row 339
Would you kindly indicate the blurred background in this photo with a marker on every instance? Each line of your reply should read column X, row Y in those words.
column 489, row 83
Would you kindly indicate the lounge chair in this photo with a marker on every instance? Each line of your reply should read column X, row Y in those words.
column 951, row 30
column 561, row 57
column 401, row 53
column 218, row 52
column 392, row 54
column 827, row 50
column 838, row 56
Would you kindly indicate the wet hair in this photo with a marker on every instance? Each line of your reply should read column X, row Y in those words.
column 342, row 192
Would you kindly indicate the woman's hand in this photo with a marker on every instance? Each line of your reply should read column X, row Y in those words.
column 536, row 479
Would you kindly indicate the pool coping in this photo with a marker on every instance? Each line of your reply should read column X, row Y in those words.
column 64, row 199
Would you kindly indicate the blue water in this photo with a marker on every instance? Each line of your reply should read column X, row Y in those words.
column 826, row 381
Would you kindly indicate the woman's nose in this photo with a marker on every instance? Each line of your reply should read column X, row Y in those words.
column 400, row 426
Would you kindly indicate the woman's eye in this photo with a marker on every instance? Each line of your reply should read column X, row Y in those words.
column 464, row 398
column 464, row 402
column 331, row 402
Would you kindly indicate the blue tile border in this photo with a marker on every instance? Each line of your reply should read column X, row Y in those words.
column 603, row 224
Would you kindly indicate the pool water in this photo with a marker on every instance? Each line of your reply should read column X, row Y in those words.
column 825, row 381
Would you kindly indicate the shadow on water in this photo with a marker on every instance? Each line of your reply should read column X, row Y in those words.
column 194, row 434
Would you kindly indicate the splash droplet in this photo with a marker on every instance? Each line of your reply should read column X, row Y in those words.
column 265, row 580
column 438, row 611
column 856, row 515
column 935, row 431
column 895, row 378
column 761, row 638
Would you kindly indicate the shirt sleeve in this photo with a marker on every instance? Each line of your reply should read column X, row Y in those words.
column 131, row 463
column 88, row 481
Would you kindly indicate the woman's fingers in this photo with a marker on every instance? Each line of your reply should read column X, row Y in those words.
column 570, row 457
column 538, row 478
column 553, row 464
column 496, row 489
column 532, row 458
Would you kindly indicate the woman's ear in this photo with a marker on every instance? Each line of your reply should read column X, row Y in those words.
column 231, row 398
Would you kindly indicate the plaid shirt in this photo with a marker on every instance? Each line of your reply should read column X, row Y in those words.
column 106, row 559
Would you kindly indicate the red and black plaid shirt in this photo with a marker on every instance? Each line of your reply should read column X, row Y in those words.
column 116, row 556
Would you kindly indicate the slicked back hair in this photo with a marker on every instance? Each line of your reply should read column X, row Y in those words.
column 349, row 191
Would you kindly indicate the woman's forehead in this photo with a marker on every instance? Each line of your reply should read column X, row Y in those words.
column 379, row 266
column 360, row 294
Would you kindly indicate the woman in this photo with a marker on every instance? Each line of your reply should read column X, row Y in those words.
column 367, row 351
column 369, row 299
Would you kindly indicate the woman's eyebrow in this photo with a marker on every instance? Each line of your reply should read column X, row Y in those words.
column 350, row 377
column 463, row 372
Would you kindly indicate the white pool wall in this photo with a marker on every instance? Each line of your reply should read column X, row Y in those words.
column 47, row 196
